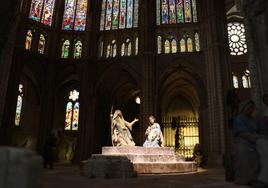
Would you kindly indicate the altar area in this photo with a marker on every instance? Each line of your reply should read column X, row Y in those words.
column 128, row 161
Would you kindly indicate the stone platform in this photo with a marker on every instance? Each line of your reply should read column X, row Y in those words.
column 161, row 160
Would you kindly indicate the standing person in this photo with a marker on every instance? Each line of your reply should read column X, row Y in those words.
column 264, row 119
column 120, row 130
column 153, row 134
column 49, row 151
column 250, row 148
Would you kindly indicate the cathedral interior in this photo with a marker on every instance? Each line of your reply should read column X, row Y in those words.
column 67, row 64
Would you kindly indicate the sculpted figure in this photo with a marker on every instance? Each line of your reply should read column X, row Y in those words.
column 153, row 134
column 120, row 128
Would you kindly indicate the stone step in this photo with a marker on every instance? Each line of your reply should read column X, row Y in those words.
column 165, row 168
column 136, row 158
column 139, row 150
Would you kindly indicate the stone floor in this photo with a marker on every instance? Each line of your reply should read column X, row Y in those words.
column 68, row 176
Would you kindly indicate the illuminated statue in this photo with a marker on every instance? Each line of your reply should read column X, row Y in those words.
column 120, row 130
column 153, row 134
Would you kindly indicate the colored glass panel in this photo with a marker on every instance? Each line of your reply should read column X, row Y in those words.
column 129, row 13
column 158, row 12
column 115, row 14
column 197, row 42
column 136, row 13
column 28, row 40
column 75, row 116
column 68, row 18
column 187, row 11
column 180, row 14
column 123, row 9
column 48, row 12
column 19, row 106
column 80, row 16
column 137, row 46
column 164, row 11
column 189, row 45
column 78, row 50
column 167, row 47
column 41, row 44
column 68, row 116
column 65, row 49
column 182, row 45
column 108, row 20
column 172, row 12
column 36, row 10
column 159, row 44
column 194, row 10
column 173, row 46
column 103, row 6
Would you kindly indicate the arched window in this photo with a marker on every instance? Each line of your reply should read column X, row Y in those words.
column 182, row 45
column 72, row 111
column 167, row 47
column 119, row 14
column 235, row 81
column 136, row 46
column 75, row 14
column 28, row 40
column 159, row 44
column 108, row 51
column 78, row 47
column 41, row 44
column 114, row 48
column 176, row 11
column 19, row 105
column 65, row 50
column 123, row 49
column 44, row 8
column 189, row 45
column 173, row 46
column 197, row 42
column 237, row 38
column 129, row 47
column 246, row 79
column 101, row 48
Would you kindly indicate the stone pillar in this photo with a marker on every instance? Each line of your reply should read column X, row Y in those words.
column 256, row 21
column 8, row 36
column 214, row 29
column 147, row 58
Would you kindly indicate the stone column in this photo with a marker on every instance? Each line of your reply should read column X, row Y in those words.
column 214, row 30
column 147, row 60
column 256, row 21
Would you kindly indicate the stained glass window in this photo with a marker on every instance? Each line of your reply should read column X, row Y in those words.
column 72, row 111
column 108, row 51
column 246, row 79
column 119, row 14
column 173, row 46
column 123, row 49
column 65, row 49
column 28, row 40
column 176, row 11
column 114, row 46
column 237, row 38
column 159, row 44
column 78, row 50
column 167, row 47
column 75, row 13
column 19, row 106
column 235, row 82
column 44, row 8
column 137, row 46
column 197, row 42
column 189, row 45
column 41, row 44
column 182, row 45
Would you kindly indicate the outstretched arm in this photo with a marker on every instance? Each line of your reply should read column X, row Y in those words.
column 129, row 125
